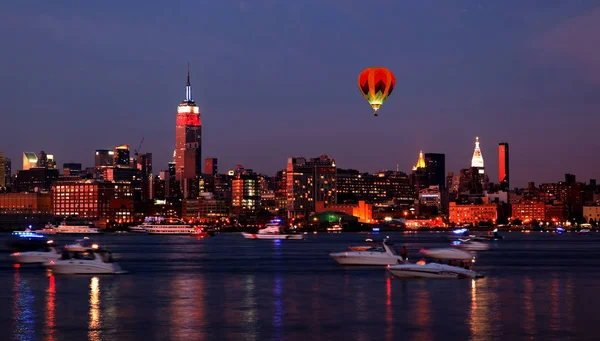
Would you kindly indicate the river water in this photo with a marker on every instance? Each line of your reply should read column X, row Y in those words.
column 538, row 286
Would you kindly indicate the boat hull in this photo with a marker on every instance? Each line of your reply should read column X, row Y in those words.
column 34, row 257
column 84, row 267
column 344, row 259
column 272, row 236
column 172, row 233
column 432, row 271
column 473, row 247
column 68, row 232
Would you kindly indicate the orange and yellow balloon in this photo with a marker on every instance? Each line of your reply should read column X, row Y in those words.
column 376, row 84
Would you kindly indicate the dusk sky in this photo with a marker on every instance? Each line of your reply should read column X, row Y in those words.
column 275, row 79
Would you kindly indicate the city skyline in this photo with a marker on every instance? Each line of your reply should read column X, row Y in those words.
column 527, row 89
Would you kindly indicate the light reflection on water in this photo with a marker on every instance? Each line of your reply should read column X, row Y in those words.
column 250, row 315
column 187, row 308
column 23, row 313
column 269, row 293
column 422, row 311
column 529, row 308
column 278, row 304
column 478, row 314
column 555, row 298
column 95, row 323
column 50, row 298
column 389, row 333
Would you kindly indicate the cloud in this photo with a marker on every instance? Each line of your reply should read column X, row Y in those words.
column 574, row 44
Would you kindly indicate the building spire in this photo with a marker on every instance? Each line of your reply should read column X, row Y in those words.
column 420, row 161
column 477, row 160
column 188, row 87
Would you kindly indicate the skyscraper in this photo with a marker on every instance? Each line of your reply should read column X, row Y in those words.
column 103, row 158
column 2, row 170
column 435, row 168
column 72, row 169
column 245, row 191
column 29, row 160
column 121, row 156
column 477, row 160
column 418, row 177
column 188, row 137
column 308, row 182
column 503, row 168
column 8, row 172
column 211, row 166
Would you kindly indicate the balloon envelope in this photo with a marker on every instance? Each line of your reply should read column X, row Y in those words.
column 376, row 84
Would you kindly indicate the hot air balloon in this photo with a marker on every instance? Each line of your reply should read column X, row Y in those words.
column 376, row 84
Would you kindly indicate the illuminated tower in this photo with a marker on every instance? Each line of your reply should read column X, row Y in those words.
column 188, row 137
column 477, row 160
column 503, row 168
column 420, row 162
column 418, row 177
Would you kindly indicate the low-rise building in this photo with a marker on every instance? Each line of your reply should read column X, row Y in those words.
column 472, row 213
column 362, row 210
column 98, row 201
column 528, row 211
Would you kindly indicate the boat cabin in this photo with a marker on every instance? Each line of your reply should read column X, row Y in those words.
column 88, row 254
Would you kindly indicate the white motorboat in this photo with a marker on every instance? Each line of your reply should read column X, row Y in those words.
column 432, row 270
column 373, row 256
column 70, row 227
column 85, row 261
column 160, row 225
column 47, row 253
column 271, row 231
column 471, row 245
column 458, row 266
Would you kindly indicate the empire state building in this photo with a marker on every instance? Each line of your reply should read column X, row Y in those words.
column 188, row 137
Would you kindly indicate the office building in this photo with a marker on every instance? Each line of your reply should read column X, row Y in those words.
column 104, row 158
column 435, row 168
column 2, row 170
column 72, row 169
column 121, row 156
column 99, row 201
column 378, row 188
column 29, row 160
column 245, row 192
column 36, row 179
column 473, row 214
column 309, row 181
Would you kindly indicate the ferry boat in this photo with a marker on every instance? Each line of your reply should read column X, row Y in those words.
column 70, row 227
column 160, row 225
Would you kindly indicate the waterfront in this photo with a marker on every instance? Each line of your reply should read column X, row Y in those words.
column 538, row 286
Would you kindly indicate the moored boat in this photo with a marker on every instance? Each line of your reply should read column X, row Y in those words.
column 70, row 227
column 160, row 225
